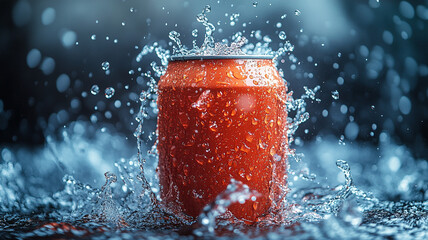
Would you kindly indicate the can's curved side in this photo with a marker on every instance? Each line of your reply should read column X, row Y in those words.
column 222, row 119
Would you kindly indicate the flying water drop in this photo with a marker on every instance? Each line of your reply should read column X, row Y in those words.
column 343, row 165
column 207, row 9
column 105, row 66
column 282, row 35
column 195, row 32
column 335, row 94
column 95, row 89
column 109, row 92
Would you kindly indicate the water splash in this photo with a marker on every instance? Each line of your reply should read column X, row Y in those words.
column 129, row 199
column 236, row 192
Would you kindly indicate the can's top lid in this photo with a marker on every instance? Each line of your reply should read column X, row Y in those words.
column 208, row 57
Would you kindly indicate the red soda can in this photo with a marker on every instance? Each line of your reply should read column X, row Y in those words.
column 222, row 118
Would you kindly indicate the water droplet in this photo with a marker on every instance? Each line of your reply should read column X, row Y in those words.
column 48, row 16
column 109, row 92
column 213, row 127
column 195, row 32
column 282, row 35
column 272, row 151
column 33, row 58
column 200, row 17
column 335, row 65
column 172, row 151
column 105, row 66
column 207, row 9
column 95, row 89
column 205, row 221
column 249, row 137
column 173, row 35
column 241, row 172
column 245, row 148
column 343, row 165
column 297, row 12
column 62, row 83
column 254, row 121
column 199, row 159
column 335, row 94
column 186, row 170
column 184, row 119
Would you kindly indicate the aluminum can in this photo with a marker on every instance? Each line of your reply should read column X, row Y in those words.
column 222, row 118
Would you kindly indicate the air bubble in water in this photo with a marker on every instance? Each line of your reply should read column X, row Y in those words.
column 109, row 92
column 297, row 12
column 282, row 35
column 93, row 37
column 255, row 4
column 105, row 66
column 284, row 16
column 95, row 89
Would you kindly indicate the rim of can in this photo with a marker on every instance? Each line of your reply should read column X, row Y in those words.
column 219, row 57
